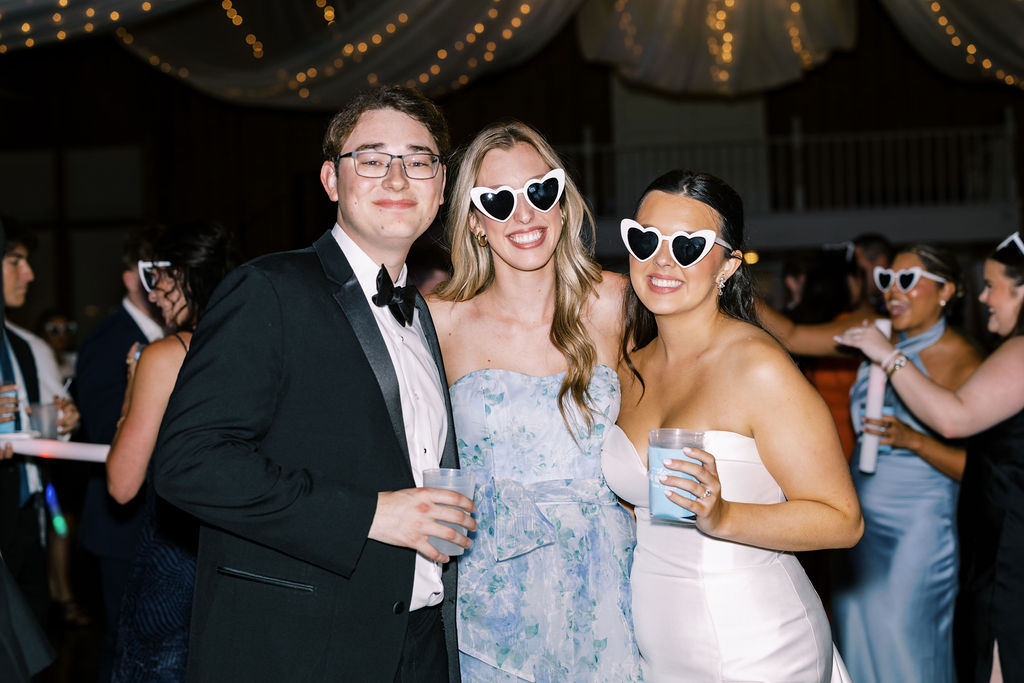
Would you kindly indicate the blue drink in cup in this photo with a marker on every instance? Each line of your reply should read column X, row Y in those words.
column 460, row 481
column 669, row 444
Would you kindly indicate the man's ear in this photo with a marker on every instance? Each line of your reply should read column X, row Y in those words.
column 130, row 280
column 444, row 181
column 329, row 179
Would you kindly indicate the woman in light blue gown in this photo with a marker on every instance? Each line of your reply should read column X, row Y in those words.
column 529, row 328
column 894, row 592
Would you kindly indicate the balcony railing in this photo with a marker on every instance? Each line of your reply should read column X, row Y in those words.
column 816, row 172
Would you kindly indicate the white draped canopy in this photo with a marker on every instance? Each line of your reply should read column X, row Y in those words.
column 316, row 53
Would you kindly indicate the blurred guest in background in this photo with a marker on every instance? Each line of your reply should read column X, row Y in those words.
column 893, row 593
column 109, row 530
column 989, row 408
column 58, row 330
column 188, row 261
column 428, row 267
column 68, row 478
column 872, row 250
column 832, row 284
column 30, row 374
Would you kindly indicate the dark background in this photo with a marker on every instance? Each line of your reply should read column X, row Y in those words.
column 256, row 170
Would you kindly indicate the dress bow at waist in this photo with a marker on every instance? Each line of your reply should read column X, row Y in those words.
column 519, row 524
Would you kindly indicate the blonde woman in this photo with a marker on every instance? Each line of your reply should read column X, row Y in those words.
column 529, row 328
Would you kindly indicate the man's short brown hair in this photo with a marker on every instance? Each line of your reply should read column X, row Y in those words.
column 406, row 100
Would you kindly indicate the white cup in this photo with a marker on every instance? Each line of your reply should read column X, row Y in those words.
column 460, row 481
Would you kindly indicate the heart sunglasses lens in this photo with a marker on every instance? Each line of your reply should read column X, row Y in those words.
column 907, row 280
column 884, row 280
column 543, row 195
column 688, row 250
column 642, row 244
column 498, row 205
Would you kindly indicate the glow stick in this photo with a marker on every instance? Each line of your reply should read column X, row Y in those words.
column 58, row 450
column 873, row 406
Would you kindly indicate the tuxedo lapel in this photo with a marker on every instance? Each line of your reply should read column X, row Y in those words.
column 450, row 456
column 352, row 301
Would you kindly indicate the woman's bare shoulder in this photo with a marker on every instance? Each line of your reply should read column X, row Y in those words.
column 755, row 357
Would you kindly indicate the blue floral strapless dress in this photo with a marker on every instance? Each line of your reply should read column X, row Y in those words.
column 544, row 591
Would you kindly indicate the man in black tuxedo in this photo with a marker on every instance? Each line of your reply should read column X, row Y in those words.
column 310, row 402
column 108, row 529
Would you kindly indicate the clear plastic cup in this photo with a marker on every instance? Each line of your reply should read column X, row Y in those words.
column 669, row 444
column 460, row 481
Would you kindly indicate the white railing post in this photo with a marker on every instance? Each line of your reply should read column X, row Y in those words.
column 796, row 138
column 1010, row 156
column 588, row 163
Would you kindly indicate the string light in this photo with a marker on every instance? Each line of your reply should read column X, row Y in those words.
column 720, row 44
column 970, row 50
column 626, row 28
column 793, row 23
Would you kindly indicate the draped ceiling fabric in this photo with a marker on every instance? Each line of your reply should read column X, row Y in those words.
column 726, row 47
column 316, row 53
column 966, row 39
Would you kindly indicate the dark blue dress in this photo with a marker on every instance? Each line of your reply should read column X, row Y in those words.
column 152, row 634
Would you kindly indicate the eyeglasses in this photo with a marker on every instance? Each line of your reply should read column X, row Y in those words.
column 372, row 164
column 905, row 279
column 149, row 273
column 69, row 327
column 499, row 204
column 1012, row 239
column 687, row 248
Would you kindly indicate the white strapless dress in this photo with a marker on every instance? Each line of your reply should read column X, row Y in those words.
column 709, row 610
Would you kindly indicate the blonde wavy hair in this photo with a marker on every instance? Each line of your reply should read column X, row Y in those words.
column 576, row 273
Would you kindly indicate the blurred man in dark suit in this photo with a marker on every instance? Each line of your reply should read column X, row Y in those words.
column 109, row 530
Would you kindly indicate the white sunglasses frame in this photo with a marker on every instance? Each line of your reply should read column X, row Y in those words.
column 477, row 192
column 710, row 240
column 917, row 271
column 145, row 265
column 1012, row 239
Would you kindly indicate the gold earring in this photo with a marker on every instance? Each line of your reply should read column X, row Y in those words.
column 481, row 238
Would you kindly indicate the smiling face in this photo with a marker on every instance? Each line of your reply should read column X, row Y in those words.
column 915, row 311
column 1003, row 298
column 660, row 283
column 527, row 240
column 384, row 216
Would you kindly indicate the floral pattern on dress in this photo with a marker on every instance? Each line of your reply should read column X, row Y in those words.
column 544, row 591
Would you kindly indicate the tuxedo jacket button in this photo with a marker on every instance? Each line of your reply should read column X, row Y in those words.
column 398, row 607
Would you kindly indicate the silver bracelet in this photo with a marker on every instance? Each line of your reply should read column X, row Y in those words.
column 898, row 363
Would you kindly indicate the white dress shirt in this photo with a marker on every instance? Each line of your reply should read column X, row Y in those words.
column 419, row 385
column 150, row 328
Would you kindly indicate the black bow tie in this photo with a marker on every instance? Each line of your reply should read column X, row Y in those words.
column 401, row 301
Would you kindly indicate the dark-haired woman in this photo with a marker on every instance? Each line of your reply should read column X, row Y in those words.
column 893, row 593
column 152, row 642
column 722, row 599
column 989, row 408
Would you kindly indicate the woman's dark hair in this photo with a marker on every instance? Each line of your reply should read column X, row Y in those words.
column 941, row 262
column 826, row 292
column 738, row 296
column 201, row 253
column 1012, row 259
